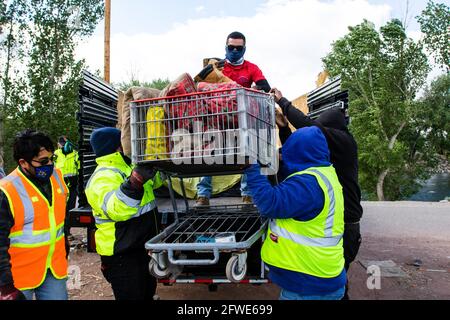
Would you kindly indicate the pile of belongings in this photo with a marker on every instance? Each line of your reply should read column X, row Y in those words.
column 209, row 101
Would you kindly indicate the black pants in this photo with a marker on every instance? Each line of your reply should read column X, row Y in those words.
column 129, row 276
column 352, row 242
column 72, row 183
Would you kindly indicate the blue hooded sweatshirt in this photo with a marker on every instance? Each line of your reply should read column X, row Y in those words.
column 300, row 198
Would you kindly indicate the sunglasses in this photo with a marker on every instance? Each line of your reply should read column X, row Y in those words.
column 238, row 48
column 45, row 161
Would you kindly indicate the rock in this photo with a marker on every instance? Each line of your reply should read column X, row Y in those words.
column 416, row 263
column 388, row 268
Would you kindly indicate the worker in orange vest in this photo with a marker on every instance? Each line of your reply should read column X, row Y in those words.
column 33, row 254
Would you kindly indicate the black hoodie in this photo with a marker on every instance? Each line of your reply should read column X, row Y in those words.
column 343, row 152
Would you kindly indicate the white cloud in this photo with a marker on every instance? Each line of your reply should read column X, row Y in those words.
column 200, row 9
column 286, row 38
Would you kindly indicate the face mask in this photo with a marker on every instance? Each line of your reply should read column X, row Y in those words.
column 44, row 173
column 234, row 56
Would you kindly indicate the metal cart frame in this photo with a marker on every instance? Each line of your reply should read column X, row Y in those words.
column 170, row 248
column 195, row 231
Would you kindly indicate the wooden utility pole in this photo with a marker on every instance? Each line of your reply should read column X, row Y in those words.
column 107, row 39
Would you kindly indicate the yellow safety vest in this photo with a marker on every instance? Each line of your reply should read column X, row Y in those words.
column 110, row 205
column 68, row 164
column 312, row 247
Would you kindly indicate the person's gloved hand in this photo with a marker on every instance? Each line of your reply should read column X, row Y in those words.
column 9, row 292
column 140, row 175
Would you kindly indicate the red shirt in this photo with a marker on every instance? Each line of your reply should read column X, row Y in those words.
column 246, row 74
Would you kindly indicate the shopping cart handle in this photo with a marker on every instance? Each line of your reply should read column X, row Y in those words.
column 194, row 262
column 263, row 165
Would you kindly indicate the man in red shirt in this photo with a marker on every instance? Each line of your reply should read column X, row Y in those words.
column 240, row 70
column 246, row 74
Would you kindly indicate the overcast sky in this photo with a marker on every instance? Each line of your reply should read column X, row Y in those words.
column 285, row 38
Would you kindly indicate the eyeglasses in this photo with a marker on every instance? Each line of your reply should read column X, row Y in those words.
column 238, row 48
column 45, row 161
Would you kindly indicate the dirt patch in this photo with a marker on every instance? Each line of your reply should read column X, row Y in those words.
column 427, row 280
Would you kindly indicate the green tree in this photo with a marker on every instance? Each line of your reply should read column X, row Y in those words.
column 435, row 25
column 436, row 113
column 383, row 70
column 44, row 95
column 53, row 72
column 12, row 25
column 426, row 136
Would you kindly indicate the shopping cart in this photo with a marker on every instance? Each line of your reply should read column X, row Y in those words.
column 205, row 133
column 207, row 237
column 194, row 135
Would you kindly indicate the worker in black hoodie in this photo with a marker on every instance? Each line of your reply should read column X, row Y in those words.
column 344, row 157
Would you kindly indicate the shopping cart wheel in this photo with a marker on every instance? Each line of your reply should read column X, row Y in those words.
column 236, row 270
column 156, row 271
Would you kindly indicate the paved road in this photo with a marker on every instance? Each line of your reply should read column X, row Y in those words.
column 426, row 220
column 388, row 219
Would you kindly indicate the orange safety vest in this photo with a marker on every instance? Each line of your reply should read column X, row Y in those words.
column 37, row 237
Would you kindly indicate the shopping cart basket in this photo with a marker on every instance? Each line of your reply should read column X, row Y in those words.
column 200, row 237
column 205, row 133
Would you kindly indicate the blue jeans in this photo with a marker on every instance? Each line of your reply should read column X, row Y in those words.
column 50, row 289
column 289, row 295
column 204, row 187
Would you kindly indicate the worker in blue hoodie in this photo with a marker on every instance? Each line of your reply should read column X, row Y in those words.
column 303, row 248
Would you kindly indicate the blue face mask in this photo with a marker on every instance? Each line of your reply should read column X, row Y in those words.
column 43, row 173
column 234, row 56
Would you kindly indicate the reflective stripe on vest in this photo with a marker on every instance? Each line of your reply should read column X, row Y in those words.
column 60, row 183
column 130, row 202
column 328, row 240
column 312, row 242
column 330, row 217
column 105, row 169
column 141, row 211
column 30, row 239
column 99, row 220
column 26, row 201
